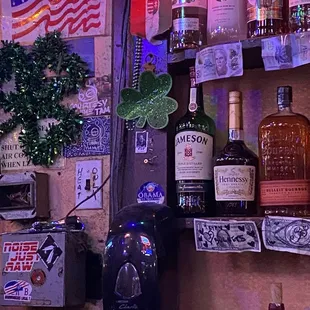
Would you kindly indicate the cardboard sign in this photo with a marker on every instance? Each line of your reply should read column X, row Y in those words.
column 12, row 156
column 22, row 255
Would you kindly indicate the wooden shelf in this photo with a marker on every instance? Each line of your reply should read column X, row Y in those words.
column 180, row 62
column 188, row 223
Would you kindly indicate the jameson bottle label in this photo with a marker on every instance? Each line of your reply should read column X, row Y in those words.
column 189, row 3
column 193, row 156
column 264, row 9
column 284, row 192
column 234, row 183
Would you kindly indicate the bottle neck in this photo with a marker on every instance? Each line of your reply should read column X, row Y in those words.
column 195, row 103
column 235, row 132
column 285, row 107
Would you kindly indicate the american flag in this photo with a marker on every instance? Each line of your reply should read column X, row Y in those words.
column 25, row 20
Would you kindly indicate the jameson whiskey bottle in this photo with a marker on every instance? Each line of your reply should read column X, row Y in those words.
column 276, row 297
column 189, row 27
column 236, row 168
column 299, row 15
column 193, row 156
column 284, row 160
column 266, row 17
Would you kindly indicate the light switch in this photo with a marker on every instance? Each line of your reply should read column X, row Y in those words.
column 87, row 180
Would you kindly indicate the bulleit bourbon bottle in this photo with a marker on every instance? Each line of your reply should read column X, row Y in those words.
column 284, row 160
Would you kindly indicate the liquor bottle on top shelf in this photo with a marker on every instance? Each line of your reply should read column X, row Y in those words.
column 267, row 17
column 236, row 168
column 226, row 21
column 284, row 160
column 194, row 156
column 189, row 24
column 276, row 297
column 299, row 15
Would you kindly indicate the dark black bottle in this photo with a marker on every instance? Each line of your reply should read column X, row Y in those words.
column 193, row 156
column 236, row 169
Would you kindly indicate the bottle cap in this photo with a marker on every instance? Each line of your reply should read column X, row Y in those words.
column 234, row 96
column 276, row 293
column 284, row 95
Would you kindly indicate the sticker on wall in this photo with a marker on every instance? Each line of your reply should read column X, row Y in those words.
column 88, row 177
column 95, row 98
column 17, row 290
column 25, row 20
column 49, row 252
column 17, row 252
column 141, row 142
column 95, row 138
column 151, row 192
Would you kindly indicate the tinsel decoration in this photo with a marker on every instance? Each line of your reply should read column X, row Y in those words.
column 43, row 75
column 150, row 103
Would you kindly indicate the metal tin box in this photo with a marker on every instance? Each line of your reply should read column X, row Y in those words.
column 43, row 269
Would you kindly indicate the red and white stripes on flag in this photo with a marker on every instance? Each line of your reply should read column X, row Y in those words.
column 25, row 20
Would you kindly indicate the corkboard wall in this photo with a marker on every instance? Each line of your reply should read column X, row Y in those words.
column 242, row 281
column 62, row 181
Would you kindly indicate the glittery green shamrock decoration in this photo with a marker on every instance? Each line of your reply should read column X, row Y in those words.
column 150, row 103
column 38, row 96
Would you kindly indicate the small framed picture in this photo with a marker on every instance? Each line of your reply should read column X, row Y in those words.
column 141, row 142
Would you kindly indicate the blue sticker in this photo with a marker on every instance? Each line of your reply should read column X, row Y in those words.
column 95, row 138
column 17, row 290
column 151, row 192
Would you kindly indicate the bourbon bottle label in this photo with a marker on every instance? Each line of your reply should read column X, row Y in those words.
column 264, row 9
column 193, row 3
column 234, row 183
column 193, row 156
column 285, row 193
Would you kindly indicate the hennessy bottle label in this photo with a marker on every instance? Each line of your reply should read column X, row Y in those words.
column 234, row 183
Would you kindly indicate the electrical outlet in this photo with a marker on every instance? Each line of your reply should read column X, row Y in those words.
column 88, row 178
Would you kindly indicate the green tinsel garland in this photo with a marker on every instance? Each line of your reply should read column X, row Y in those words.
column 38, row 97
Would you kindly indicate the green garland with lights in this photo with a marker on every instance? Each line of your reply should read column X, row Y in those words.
column 37, row 96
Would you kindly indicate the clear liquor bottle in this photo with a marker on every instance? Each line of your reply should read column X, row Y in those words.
column 267, row 17
column 284, row 160
column 226, row 21
column 236, row 168
column 189, row 24
column 276, row 297
column 194, row 157
column 299, row 15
